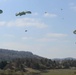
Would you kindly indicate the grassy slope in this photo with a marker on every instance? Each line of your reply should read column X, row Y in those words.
column 60, row 72
column 36, row 72
column 30, row 71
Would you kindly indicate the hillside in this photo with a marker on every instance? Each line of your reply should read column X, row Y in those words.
column 19, row 59
column 6, row 54
column 22, row 60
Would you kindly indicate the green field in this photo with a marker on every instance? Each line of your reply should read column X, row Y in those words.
column 60, row 72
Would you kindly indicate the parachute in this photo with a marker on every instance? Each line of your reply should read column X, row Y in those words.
column 61, row 9
column 25, row 30
column 23, row 13
column 1, row 11
column 74, row 31
column 29, row 12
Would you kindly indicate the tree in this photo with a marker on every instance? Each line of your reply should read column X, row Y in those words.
column 3, row 64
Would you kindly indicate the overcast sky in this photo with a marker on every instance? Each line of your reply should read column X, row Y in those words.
column 49, row 27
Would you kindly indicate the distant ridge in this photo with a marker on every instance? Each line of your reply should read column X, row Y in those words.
column 7, row 54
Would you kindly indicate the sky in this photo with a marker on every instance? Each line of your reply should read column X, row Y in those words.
column 49, row 27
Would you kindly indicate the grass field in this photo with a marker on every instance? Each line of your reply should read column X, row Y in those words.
column 60, row 72
column 36, row 72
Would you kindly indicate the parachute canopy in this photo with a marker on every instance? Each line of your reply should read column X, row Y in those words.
column 23, row 13
column 74, row 31
column 25, row 30
column 61, row 9
column 1, row 11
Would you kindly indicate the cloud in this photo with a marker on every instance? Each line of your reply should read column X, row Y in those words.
column 26, row 38
column 35, row 14
column 2, row 23
column 56, row 35
column 21, row 22
column 46, row 39
column 9, row 36
column 52, row 37
column 51, row 15
column 72, row 6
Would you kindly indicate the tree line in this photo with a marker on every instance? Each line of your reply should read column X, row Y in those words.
column 37, row 63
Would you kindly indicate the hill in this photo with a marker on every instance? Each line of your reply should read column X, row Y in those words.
column 19, row 60
column 6, row 54
column 22, row 60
